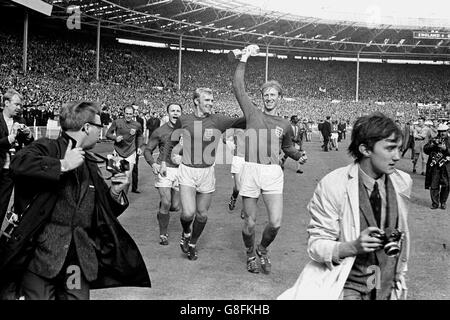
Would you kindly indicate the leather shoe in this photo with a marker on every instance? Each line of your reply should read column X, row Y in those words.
column 434, row 207
column 135, row 191
column 443, row 206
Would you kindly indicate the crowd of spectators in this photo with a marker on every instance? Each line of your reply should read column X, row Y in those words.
column 62, row 69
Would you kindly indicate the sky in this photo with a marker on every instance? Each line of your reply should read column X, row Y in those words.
column 370, row 11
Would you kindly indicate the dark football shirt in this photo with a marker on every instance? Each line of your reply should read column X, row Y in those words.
column 130, row 142
column 201, row 137
column 158, row 139
column 265, row 134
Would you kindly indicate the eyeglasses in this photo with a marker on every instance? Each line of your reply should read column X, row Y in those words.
column 96, row 124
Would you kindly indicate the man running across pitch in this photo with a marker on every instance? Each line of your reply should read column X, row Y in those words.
column 265, row 133
column 167, row 186
column 201, row 133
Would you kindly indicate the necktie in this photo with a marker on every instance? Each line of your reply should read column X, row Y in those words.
column 375, row 201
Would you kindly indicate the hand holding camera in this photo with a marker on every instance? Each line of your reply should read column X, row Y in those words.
column 119, row 182
column 390, row 241
column 367, row 242
column 116, row 165
column 23, row 129
column 15, row 130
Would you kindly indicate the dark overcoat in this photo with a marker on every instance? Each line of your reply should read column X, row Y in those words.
column 4, row 142
column 36, row 170
column 434, row 171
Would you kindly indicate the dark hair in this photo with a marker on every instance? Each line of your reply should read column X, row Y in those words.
column 73, row 115
column 370, row 129
column 173, row 104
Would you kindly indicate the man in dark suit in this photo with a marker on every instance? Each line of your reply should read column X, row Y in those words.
column 14, row 134
column 326, row 133
column 297, row 141
column 152, row 124
column 69, row 239
column 342, row 128
column 135, row 172
column 105, row 118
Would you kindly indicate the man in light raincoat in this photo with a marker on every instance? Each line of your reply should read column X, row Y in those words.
column 351, row 210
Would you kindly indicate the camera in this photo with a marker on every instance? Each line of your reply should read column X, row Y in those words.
column 12, row 220
column 21, row 127
column 443, row 161
column 436, row 159
column 390, row 241
column 116, row 164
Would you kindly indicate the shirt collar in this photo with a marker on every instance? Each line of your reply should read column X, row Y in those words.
column 67, row 137
column 369, row 182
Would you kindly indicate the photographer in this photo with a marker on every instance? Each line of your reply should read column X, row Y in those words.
column 438, row 167
column 355, row 213
column 68, row 239
column 14, row 134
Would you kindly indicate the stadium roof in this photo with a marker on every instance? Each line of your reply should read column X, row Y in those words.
column 223, row 24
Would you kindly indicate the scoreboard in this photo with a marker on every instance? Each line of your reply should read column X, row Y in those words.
column 431, row 35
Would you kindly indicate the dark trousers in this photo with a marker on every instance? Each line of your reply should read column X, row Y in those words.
column 6, row 188
column 134, row 175
column 326, row 141
column 352, row 294
column 409, row 146
column 439, row 190
column 62, row 287
column 69, row 284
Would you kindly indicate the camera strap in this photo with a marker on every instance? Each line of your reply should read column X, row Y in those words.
column 97, row 155
column 104, row 160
